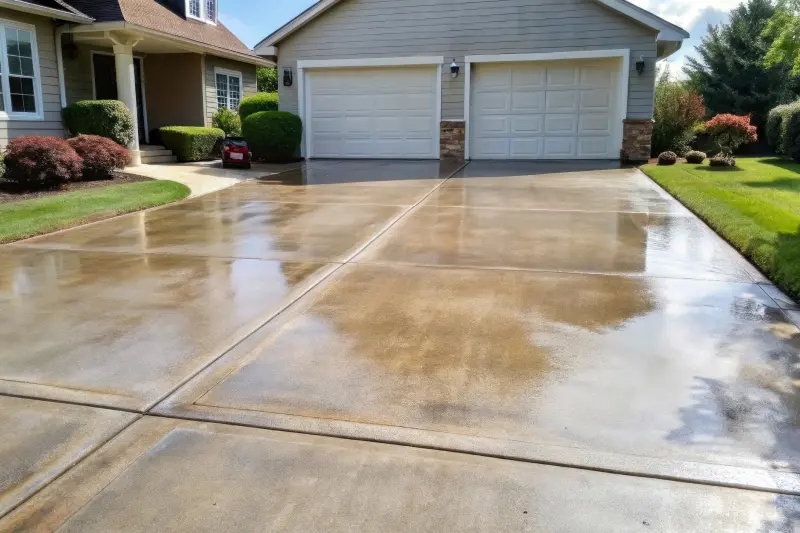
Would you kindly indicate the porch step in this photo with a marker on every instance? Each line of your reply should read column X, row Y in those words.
column 148, row 159
column 155, row 153
column 151, row 148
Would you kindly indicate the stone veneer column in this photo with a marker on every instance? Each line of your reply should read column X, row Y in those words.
column 637, row 138
column 453, row 135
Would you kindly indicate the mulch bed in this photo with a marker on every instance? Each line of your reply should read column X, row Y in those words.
column 9, row 192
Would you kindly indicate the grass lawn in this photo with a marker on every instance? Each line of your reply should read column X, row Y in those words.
column 19, row 220
column 755, row 207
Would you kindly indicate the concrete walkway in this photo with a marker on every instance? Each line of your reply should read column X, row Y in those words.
column 399, row 346
column 207, row 177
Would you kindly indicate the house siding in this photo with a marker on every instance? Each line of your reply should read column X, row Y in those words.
column 249, row 82
column 51, row 100
column 78, row 73
column 456, row 28
column 172, row 83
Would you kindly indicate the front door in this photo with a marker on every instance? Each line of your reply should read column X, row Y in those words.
column 105, row 84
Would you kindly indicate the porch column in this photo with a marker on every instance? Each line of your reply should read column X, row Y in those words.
column 126, row 91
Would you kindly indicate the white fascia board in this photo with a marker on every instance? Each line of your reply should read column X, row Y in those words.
column 371, row 62
column 298, row 22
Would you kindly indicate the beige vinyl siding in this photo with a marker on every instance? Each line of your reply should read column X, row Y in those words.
column 249, row 82
column 171, row 90
column 51, row 100
column 456, row 28
column 78, row 73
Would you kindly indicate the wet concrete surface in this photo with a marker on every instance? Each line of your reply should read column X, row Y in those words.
column 123, row 329
column 167, row 475
column 40, row 440
column 569, row 314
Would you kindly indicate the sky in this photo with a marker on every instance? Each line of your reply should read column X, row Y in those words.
column 252, row 20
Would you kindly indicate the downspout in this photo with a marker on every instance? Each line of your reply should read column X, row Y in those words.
column 62, row 88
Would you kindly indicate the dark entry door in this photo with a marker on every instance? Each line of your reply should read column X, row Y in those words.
column 105, row 84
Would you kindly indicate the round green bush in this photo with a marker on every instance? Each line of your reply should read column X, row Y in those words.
column 273, row 135
column 227, row 121
column 696, row 158
column 256, row 103
column 667, row 158
column 722, row 160
column 106, row 118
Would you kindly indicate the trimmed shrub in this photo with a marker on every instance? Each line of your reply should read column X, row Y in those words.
column 777, row 121
column 696, row 158
column 792, row 137
column 257, row 103
column 106, row 118
column 667, row 158
column 273, row 135
column 731, row 131
column 101, row 156
column 192, row 143
column 722, row 160
column 677, row 110
column 227, row 121
column 41, row 162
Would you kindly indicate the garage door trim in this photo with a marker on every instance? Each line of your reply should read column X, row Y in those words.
column 624, row 54
column 304, row 96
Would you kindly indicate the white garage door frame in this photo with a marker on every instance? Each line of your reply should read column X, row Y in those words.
column 624, row 54
column 304, row 96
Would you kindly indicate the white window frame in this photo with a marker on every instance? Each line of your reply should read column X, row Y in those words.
column 230, row 74
column 37, row 81
column 204, row 12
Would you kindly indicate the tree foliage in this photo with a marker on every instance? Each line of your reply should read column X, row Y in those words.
column 267, row 79
column 783, row 31
column 731, row 72
column 678, row 109
column 731, row 131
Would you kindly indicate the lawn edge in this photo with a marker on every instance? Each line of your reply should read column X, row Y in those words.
column 101, row 217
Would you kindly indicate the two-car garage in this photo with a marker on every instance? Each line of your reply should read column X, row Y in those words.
column 525, row 109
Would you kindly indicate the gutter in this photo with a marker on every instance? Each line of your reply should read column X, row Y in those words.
column 26, row 7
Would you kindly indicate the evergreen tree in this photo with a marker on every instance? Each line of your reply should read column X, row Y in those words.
column 731, row 73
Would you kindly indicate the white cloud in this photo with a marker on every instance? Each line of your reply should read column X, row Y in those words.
column 685, row 13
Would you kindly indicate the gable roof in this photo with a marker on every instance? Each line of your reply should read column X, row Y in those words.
column 667, row 30
column 57, row 9
column 155, row 16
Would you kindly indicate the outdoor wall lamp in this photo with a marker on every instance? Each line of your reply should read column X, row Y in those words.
column 454, row 68
column 287, row 77
column 640, row 65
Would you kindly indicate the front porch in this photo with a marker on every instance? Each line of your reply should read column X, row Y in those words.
column 163, row 81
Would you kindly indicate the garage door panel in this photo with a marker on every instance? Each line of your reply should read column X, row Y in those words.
column 563, row 77
column 374, row 112
column 528, row 102
column 526, row 148
column 593, row 146
column 545, row 110
column 561, row 125
column 559, row 147
column 527, row 125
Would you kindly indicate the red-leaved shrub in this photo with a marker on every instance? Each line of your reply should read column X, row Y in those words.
column 41, row 162
column 731, row 131
column 101, row 156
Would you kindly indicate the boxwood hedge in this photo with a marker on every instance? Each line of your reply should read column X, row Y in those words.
column 273, row 135
column 192, row 143
column 106, row 118
column 258, row 102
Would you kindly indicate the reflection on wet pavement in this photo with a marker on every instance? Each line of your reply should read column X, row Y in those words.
column 258, row 230
column 600, row 362
column 123, row 329
column 629, row 243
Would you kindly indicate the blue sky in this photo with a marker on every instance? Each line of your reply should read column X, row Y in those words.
column 252, row 20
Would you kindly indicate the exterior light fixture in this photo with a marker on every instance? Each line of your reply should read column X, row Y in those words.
column 287, row 77
column 640, row 65
column 454, row 68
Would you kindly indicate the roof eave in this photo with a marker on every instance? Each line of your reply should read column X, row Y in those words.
column 34, row 9
column 197, row 45
column 667, row 30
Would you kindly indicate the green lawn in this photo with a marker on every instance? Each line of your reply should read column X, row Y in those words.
column 19, row 220
column 755, row 207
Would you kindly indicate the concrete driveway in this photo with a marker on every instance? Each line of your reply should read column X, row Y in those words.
column 410, row 346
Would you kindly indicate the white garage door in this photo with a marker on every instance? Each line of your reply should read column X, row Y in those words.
column 373, row 113
column 553, row 110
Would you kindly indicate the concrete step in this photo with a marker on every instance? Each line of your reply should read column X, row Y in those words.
column 154, row 153
column 152, row 159
column 151, row 148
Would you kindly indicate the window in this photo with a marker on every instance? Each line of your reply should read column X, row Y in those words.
column 205, row 10
column 20, row 90
column 229, row 89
